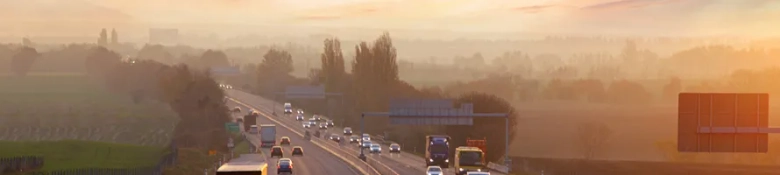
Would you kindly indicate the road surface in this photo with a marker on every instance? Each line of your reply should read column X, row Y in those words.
column 315, row 160
column 404, row 163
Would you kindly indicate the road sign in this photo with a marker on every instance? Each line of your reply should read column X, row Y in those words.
column 305, row 92
column 232, row 127
column 225, row 70
column 430, row 112
column 723, row 122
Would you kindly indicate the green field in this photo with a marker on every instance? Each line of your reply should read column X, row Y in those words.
column 75, row 107
column 70, row 154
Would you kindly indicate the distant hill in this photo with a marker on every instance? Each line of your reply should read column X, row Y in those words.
column 52, row 17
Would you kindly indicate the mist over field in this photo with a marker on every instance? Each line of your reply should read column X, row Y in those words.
column 585, row 80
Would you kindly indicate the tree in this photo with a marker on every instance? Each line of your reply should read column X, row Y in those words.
column 592, row 138
column 376, row 72
column 213, row 58
column 275, row 67
column 332, row 72
column 101, row 60
column 490, row 128
column 672, row 88
column 114, row 37
column 103, row 40
column 23, row 60
column 157, row 53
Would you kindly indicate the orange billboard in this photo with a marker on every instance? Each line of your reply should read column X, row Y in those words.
column 723, row 122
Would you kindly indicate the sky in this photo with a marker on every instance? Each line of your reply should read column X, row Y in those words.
column 633, row 17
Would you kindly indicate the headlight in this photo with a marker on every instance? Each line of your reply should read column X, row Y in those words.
column 447, row 160
column 479, row 169
column 431, row 160
column 460, row 169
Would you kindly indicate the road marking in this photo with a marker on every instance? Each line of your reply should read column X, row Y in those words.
column 300, row 134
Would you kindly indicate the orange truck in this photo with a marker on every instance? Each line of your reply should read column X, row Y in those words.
column 479, row 143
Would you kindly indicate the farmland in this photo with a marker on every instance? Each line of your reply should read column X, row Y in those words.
column 70, row 154
column 74, row 107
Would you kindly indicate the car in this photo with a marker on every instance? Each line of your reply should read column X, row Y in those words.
column 477, row 173
column 335, row 138
column 434, row 170
column 323, row 126
column 365, row 144
column 317, row 117
column 395, row 148
column 297, row 151
column 288, row 108
column 299, row 117
column 284, row 165
column 354, row 139
column 366, row 137
column 300, row 111
column 313, row 121
column 330, row 123
column 375, row 148
column 276, row 151
column 348, row 131
column 306, row 125
column 284, row 141
column 237, row 109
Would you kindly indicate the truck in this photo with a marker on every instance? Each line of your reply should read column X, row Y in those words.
column 253, row 129
column 437, row 150
column 267, row 135
column 469, row 159
column 249, row 120
column 481, row 144
column 250, row 164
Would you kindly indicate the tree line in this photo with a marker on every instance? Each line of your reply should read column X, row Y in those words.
column 190, row 92
column 371, row 84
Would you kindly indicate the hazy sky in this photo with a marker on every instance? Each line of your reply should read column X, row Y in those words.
column 664, row 17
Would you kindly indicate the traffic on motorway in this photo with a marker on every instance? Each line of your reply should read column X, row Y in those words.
column 468, row 157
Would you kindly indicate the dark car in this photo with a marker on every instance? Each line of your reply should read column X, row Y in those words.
column 284, row 165
column 395, row 148
column 323, row 126
column 299, row 117
column 284, row 141
column 354, row 139
column 330, row 123
column 277, row 151
column 348, row 131
column 297, row 151
column 335, row 138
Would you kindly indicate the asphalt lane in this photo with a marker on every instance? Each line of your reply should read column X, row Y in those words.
column 315, row 160
column 404, row 163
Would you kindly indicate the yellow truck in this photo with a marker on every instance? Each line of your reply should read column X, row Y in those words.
column 246, row 164
column 469, row 159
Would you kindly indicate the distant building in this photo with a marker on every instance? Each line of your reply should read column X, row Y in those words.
column 164, row 36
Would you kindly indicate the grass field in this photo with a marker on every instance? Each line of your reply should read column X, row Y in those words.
column 74, row 107
column 70, row 154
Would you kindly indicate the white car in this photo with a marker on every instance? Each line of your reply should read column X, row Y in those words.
column 366, row 137
column 365, row 144
column 434, row 170
column 306, row 125
column 477, row 173
column 375, row 148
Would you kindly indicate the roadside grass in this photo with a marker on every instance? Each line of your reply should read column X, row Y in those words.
column 72, row 106
column 191, row 161
column 71, row 154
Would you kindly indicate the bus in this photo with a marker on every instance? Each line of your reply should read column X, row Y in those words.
column 469, row 159
column 246, row 164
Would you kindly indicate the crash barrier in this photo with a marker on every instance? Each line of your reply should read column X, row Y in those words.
column 30, row 164
column 498, row 167
column 20, row 164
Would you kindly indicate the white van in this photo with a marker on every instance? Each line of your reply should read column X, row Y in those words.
column 288, row 108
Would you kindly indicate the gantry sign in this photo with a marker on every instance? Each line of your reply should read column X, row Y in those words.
column 433, row 112
column 723, row 122
column 308, row 92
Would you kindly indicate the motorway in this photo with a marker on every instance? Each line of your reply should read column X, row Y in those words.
column 404, row 163
column 315, row 159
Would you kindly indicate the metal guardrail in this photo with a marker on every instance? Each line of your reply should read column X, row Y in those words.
column 498, row 167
